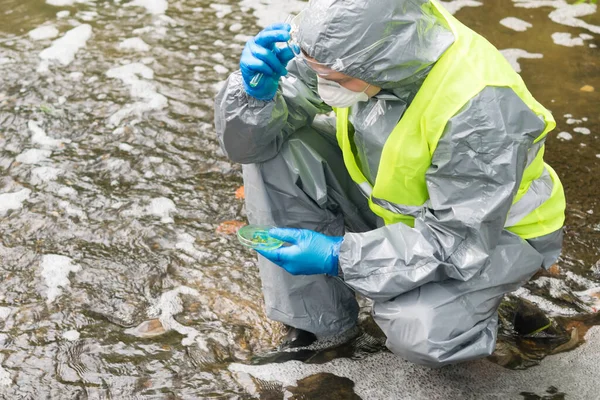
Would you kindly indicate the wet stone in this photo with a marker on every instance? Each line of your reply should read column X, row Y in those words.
column 324, row 386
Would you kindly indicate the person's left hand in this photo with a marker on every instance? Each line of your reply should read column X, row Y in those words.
column 310, row 253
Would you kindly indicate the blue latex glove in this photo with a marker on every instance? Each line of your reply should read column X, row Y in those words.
column 261, row 55
column 310, row 253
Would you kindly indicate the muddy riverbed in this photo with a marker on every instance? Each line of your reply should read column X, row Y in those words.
column 118, row 278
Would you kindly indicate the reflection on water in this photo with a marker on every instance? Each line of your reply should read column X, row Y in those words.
column 114, row 279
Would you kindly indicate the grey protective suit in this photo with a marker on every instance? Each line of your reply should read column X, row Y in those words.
column 436, row 287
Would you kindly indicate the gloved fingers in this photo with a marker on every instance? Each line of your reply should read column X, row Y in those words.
column 267, row 39
column 289, row 235
column 285, row 257
column 267, row 56
column 255, row 65
column 280, row 26
column 285, row 54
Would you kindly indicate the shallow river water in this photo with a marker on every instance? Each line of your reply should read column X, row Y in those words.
column 118, row 278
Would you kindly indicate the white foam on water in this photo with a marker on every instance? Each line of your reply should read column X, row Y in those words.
column 135, row 44
column 219, row 69
column 270, row 11
column 546, row 305
column 513, row 55
column 556, row 287
column 564, row 136
column 155, row 7
column 222, row 9
column 586, row 36
column 236, row 27
column 564, row 13
column 33, row 156
column 580, row 280
column 43, row 33
column 5, row 312
column 569, row 13
column 62, row 3
column 515, row 24
column 218, row 57
column 45, row 174
column 591, row 297
column 41, row 138
column 66, row 191
column 597, row 155
column 168, row 305
column 572, row 121
column 565, row 39
column 162, row 207
column 455, row 5
column 189, row 249
column 87, row 15
column 583, row 131
column 72, row 210
column 13, row 201
column 55, row 270
column 71, row 335
column 5, row 379
column 125, row 147
column 139, row 89
column 63, row 14
column 63, row 49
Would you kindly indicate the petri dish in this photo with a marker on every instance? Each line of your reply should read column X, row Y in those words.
column 257, row 237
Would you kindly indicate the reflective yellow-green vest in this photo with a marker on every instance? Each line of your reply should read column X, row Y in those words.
column 469, row 65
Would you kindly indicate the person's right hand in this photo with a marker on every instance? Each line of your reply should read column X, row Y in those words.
column 261, row 55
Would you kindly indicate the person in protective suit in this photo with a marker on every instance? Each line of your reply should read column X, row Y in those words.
column 401, row 158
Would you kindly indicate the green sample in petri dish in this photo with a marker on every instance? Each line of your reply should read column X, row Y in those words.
column 257, row 237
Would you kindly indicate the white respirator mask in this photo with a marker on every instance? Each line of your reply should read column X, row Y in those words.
column 338, row 96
